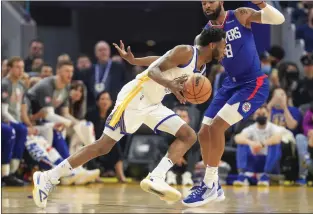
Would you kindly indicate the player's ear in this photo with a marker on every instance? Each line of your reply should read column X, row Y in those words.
column 212, row 45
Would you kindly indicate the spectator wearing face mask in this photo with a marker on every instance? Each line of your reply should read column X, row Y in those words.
column 304, row 92
column 282, row 113
column 277, row 54
column 267, row 69
column 288, row 74
column 258, row 150
column 305, row 32
column 305, row 147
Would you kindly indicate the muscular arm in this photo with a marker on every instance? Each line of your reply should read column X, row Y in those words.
column 144, row 61
column 179, row 55
column 267, row 15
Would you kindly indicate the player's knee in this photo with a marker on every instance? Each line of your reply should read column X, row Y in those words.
column 187, row 134
column 203, row 133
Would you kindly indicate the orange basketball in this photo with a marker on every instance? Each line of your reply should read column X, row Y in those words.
column 197, row 89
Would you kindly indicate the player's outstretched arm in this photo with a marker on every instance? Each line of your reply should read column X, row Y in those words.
column 180, row 55
column 130, row 58
column 267, row 15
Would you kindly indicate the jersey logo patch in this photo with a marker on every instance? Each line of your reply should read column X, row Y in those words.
column 47, row 99
column 246, row 107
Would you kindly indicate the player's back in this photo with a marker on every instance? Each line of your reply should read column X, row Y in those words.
column 241, row 62
column 156, row 92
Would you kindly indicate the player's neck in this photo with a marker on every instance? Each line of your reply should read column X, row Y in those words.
column 220, row 19
column 12, row 78
column 203, row 58
column 58, row 83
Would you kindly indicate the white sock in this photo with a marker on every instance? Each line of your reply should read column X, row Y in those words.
column 161, row 170
column 5, row 170
column 15, row 163
column 211, row 176
column 61, row 170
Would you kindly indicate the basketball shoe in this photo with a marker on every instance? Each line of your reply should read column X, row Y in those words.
column 202, row 194
column 157, row 186
column 43, row 185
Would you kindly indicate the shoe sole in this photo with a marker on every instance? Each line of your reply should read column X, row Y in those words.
column 166, row 195
column 36, row 190
column 87, row 179
column 220, row 198
column 201, row 203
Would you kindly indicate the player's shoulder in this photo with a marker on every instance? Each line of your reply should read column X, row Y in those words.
column 5, row 82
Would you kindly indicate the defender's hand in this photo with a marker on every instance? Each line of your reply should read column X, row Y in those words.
column 127, row 55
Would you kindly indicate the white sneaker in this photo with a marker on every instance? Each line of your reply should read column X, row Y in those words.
column 157, row 186
column 43, row 185
column 88, row 176
column 171, row 178
column 187, row 179
column 71, row 179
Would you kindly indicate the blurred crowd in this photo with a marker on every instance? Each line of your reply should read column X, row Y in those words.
column 51, row 111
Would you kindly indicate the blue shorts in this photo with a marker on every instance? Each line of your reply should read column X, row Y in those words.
column 234, row 101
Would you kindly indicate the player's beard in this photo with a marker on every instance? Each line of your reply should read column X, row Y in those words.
column 214, row 15
column 215, row 54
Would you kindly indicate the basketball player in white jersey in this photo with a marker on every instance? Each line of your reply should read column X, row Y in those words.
column 139, row 102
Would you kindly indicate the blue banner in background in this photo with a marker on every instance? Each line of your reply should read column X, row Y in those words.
column 261, row 33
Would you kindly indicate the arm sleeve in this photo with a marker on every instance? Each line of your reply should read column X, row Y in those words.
column 6, row 114
column 270, row 15
column 53, row 117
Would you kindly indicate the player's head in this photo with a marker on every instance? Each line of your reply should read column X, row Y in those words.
column 16, row 67
column 104, row 101
column 212, row 9
column 214, row 40
column 261, row 115
column 65, row 71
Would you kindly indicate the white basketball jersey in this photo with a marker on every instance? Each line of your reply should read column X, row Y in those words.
column 156, row 92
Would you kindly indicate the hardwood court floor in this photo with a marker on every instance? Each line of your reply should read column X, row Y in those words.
column 129, row 198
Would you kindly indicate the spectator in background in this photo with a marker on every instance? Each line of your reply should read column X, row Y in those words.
column 288, row 74
column 4, row 68
column 186, row 165
column 11, row 101
column 46, row 71
column 277, row 54
column 37, row 64
column 98, row 115
column 258, row 149
column 305, row 32
column 36, row 49
column 304, row 92
column 105, row 75
column 77, row 98
column 300, row 13
column 266, row 65
column 305, row 147
column 117, row 58
column 25, row 79
column 282, row 113
column 83, row 63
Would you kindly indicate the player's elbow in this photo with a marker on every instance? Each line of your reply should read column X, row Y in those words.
column 280, row 19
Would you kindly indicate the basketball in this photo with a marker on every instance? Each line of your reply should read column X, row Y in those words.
column 197, row 89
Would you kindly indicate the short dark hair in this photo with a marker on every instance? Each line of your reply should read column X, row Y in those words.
column 210, row 35
column 35, row 40
column 180, row 108
column 100, row 94
column 82, row 56
column 63, row 63
column 14, row 59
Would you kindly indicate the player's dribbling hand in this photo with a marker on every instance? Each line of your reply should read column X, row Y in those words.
column 127, row 55
column 176, row 86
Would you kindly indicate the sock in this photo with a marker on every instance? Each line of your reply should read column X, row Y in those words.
column 15, row 163
column 211, row 176
column 61, row 170
column 5, row 170
column 163, row 167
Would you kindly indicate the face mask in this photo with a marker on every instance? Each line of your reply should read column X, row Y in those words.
column 261, row 120
column 266, row 69
column 292, row 75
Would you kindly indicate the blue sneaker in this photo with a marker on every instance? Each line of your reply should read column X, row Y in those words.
column 220, row 194
column 301, row 182
column 242, row 180
column 264, row 180
column 201, row 195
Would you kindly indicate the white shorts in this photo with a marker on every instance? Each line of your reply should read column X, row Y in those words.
column 133, row 109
